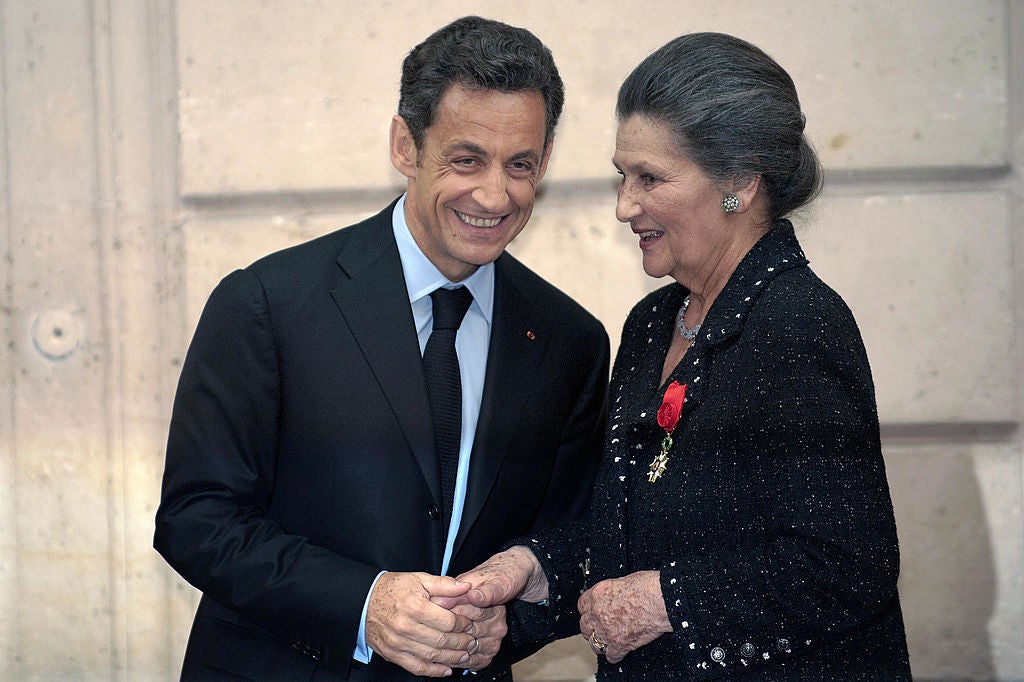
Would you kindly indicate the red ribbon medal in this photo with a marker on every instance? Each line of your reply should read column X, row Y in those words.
column 668, row 418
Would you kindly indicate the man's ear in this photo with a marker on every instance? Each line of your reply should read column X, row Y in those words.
column 546, row 157
column 403, row 149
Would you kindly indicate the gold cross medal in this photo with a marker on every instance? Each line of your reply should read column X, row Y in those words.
column 668, row 419
column 660, row 462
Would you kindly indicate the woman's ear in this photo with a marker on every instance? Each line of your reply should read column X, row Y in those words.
column 746, row 190
column 403, row 148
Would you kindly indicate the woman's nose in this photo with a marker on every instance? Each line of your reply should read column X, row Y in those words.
column 626, row 206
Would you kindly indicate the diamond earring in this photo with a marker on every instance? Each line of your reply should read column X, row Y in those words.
column 730, row 203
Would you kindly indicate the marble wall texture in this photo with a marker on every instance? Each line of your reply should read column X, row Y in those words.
column 148, row 147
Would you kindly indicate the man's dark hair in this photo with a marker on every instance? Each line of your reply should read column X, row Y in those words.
column 478, row 54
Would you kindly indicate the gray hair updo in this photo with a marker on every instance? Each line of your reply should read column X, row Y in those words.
column 733, row 111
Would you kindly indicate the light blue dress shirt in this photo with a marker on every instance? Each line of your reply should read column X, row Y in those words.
column 421, row 278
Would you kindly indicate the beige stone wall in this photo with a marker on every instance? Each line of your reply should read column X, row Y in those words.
column 148, row 147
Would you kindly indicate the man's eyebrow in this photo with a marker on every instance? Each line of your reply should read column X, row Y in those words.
column 526, row 155
column 465, row 147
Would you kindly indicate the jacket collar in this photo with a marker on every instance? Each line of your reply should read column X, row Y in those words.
column 777, row 251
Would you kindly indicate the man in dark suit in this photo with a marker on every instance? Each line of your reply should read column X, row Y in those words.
column 303, row 492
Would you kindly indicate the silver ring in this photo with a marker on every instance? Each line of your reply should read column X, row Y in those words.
column 476, row 646
column 597, row 645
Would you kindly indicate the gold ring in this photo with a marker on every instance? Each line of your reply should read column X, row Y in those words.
column 598, row 646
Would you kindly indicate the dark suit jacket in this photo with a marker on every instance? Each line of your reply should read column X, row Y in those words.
column 772, row 527
column 301, row 459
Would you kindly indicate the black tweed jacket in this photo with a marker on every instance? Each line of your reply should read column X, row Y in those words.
column 772, row 525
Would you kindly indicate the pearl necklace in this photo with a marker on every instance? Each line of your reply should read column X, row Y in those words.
column 688, row 334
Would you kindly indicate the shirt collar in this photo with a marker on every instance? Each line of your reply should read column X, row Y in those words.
column 422, row 276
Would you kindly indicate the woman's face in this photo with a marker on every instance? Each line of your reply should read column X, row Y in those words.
column 672, row 206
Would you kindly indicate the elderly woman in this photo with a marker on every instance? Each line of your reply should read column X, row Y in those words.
column 741, row 523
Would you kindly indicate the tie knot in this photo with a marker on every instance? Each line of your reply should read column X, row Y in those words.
column 450, row 306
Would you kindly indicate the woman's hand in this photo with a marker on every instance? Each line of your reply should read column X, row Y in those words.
column 623, row 614
column 514, row 573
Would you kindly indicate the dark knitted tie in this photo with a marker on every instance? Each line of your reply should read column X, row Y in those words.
column 444, row 386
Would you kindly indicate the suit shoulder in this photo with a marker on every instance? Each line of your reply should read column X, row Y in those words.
column 325, row 248
column 546, row 296
column 295, row 270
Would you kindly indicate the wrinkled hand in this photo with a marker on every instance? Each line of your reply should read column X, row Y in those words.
column 489, row 628
column 514, row 573
column 625, row 613
column 405, row 627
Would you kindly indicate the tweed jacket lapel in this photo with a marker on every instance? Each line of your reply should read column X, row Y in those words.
column 776, row 252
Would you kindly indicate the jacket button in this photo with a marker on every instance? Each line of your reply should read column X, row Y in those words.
column 782, row 644
column 747, row 650
column 718, row 654
column 433, row 512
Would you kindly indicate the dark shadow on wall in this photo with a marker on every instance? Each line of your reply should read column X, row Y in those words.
column 948, row 579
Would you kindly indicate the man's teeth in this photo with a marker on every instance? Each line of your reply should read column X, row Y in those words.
column 650, row 235
column 478, row 222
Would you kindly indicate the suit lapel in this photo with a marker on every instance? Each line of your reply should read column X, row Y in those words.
column 375, row 304
column 519, row 338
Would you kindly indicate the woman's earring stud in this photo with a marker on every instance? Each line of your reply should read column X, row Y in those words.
column 730, row 203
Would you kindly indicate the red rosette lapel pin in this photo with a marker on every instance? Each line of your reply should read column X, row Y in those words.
column 668, row 418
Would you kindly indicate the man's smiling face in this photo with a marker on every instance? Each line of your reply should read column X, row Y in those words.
column 471, row 186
